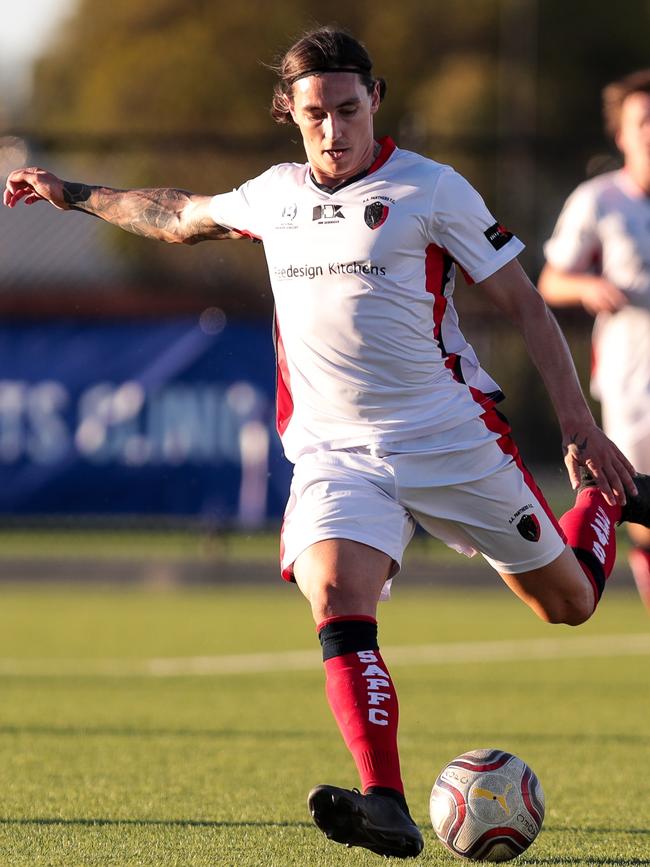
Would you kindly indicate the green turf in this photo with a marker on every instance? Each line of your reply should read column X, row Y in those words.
column 214, row 770
column 107, row 544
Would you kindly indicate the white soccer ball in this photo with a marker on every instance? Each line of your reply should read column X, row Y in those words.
column 487, row 805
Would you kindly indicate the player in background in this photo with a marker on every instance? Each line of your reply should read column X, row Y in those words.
column 599, row 257
column 381, row 403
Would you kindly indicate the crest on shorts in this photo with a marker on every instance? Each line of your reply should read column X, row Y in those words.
column 375, row 215
column 529, row 528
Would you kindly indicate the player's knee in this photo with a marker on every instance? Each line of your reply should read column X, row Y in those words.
column 568, row 610
column 328, row 600
column 321, row 601
column 331, row 600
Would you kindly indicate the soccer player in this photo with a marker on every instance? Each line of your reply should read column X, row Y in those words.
column 599, row 257
column 381, row 403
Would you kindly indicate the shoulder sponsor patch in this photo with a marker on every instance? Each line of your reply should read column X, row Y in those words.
column 498, row 235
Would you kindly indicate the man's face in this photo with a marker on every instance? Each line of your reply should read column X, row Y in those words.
column 633, row 137
column 334, row 113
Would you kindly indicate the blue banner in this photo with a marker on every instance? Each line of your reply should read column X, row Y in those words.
column 171, row 417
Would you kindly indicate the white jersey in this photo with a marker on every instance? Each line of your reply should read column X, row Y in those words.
column 368, row 345
column 604, row 229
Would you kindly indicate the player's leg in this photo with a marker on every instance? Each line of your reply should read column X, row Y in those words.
column 560, row 592
column 508, row 522
column 559, row 568
column 568, row 588
column 343, row 580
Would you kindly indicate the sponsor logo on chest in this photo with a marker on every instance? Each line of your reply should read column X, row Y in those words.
column 329, row 213
column 372, row 213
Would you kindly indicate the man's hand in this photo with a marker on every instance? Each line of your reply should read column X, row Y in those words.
column 33, row 185
column 589, row 447
column 566, row 289
column 601, row 296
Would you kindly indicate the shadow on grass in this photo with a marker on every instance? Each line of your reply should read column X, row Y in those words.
column 585, row 862
column 169, row 823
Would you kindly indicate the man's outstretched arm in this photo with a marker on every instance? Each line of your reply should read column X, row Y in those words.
column 584, row 442
column 174, row 216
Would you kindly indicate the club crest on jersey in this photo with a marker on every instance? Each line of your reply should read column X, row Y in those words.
column 529, row 528
column 375, row 215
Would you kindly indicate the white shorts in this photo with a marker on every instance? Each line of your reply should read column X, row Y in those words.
column 476, row 497
column 621, row 380
column 635, row 448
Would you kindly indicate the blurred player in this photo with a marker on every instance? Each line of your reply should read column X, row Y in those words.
column 599, row 256
column 381, row 403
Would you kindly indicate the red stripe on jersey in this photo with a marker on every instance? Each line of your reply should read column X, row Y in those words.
column 437, row 265
column 283, row 396
column 498, row 423
column 246, row 234
column 387, row 148
column 452, row 362
column 287, row 573
column 436, row 271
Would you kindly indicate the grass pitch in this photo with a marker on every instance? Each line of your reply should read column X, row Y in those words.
column 114, row 752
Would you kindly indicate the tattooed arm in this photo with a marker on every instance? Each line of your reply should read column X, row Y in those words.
column 170, row 215
column 584, row 443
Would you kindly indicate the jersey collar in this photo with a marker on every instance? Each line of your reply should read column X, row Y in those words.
column 387, row 148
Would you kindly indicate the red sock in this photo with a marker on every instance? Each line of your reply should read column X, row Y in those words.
column 362, row 698
column 590, row 530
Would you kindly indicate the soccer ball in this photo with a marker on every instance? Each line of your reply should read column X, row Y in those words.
column 487, row 805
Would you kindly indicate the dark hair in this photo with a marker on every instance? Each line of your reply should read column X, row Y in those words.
column 615, row 94
column 322, row 50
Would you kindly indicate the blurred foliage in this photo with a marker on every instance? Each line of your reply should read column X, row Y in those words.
column 201, row 66
column 159, row 92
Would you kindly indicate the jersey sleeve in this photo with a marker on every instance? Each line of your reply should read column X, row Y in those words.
column 463, row 225
column 243, row 209
column 574, row 244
